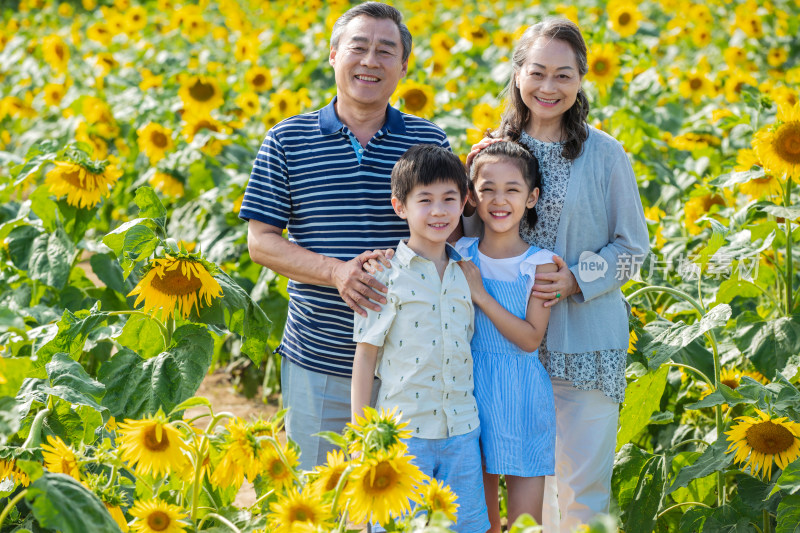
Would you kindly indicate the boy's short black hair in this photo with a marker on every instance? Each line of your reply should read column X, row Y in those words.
column 426, row 164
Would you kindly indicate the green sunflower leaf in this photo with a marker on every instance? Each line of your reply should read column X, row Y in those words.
column 61, row 503
column 136, row 387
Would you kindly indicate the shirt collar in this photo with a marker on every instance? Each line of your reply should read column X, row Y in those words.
column 329, row 121
column 404, row 254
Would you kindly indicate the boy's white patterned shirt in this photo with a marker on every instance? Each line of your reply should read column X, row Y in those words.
column 423, row 334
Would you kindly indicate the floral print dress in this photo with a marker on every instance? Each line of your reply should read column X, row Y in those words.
column 602, row 370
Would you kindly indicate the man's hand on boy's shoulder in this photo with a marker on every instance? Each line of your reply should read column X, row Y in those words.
column 357, row 287
column 383, row 259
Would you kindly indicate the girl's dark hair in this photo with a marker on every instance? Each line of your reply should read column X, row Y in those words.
column 516, row 114
column 519, row 156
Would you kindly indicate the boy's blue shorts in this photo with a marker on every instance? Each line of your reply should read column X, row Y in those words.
column 455, row 461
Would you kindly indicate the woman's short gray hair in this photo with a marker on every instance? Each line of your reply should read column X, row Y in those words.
column 378, row 11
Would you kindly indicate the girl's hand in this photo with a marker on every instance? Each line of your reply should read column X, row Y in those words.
column 474, row 279
column 486, row 141
column 558, row 285
column 382, row 259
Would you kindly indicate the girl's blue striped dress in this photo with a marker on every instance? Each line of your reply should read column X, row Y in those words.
column 512, row 388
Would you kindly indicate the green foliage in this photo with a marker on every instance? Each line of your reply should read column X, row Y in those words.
column 136, row 387
column 59, row 502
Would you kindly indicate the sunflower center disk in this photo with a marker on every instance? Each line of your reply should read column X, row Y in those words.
column 624, row 19
column 301, row 514
column 152, row 442
column 159, row 139
column 788, row 142
column 175, row 283
column 384, row 476
column 732, row 383
column 202, row 92
column 158, row 521
column 259, row 80
column 415, row 99
column 769, row 438
column 695, row 84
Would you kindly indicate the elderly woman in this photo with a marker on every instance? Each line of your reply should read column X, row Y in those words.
column 590, row 214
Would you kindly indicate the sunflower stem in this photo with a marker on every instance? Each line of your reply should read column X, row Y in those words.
column 221, row 519
column 35, row 435
column 112, row 477
column 693, row 369
column 262, row 498
column 170, row 328
column 198, row 471
column 339, row 487
column 668, row 509
column 689, row 441
column 669, row 290
column 11, row 505
column 789, row 266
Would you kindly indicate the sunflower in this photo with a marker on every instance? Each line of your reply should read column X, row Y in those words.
column 436, row 496
column 135, row 19
column 294, row 508
column 701, row 36
column 200, row 94
column 603, row 66
column 56, row 52
column 176, row 283
column 9, row 469
column 783, row 95
column 83, row 186
column 246, row 48
column 153, row 444
column 417, row 98
column 119, row 517
column 440, row 44
column 778, row 146
column 273, row 468
column 53, row 94
column 624, row 18
column 249, row 104
column 378, row 431
column 196, row 124
column 695, row 86
column 155, row 516
column 239, row 456
column 150, row 80
column 100, row 33
column 756, row 188
column 474, row 32
column 696, row 207
column 328, row 475
column 258, row 78
column 735, row 82
column 485, row 116
column 764, row 439
column 59, row 458
column 154, row 140
column 167, row 184
column 749, row 22
column 380, row 487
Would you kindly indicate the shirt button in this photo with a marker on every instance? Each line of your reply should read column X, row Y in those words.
column 360, row 150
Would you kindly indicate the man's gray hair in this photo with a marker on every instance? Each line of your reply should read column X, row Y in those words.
column 378, row 11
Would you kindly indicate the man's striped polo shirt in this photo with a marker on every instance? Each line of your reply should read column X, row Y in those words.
column 310, row 178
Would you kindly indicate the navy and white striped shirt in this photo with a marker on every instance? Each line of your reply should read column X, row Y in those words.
column 310, row 178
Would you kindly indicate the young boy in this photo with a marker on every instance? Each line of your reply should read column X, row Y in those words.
column 419, row 340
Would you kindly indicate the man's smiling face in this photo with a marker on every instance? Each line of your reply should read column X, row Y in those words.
column 368, row 62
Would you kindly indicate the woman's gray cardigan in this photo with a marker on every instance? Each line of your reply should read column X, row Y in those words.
column 602, row 216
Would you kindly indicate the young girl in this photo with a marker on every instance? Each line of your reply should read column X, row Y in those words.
column 512, row 388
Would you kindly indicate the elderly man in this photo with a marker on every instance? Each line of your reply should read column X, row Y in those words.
column 325, row 176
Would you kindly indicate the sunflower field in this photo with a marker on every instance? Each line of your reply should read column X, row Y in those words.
column 127, row 133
